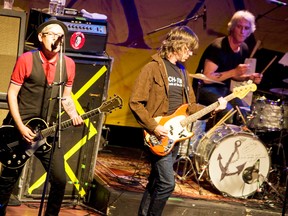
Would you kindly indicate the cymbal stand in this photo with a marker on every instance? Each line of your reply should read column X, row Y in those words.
column 286, row 169
column 202, row 172
column 286, row 196
column 270, row 185
column 185, row 162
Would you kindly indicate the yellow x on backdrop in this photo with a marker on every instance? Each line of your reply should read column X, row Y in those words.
column 92, row 132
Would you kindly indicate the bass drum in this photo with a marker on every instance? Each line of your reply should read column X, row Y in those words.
column 235, row 162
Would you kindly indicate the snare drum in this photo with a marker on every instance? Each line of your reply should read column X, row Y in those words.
column 187, row 147
column 267, row 115
column 234, row 161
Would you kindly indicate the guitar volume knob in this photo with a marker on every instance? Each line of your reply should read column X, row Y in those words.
column 9, row 162
column 14, row 156
column 23, row 156
column 18, row 162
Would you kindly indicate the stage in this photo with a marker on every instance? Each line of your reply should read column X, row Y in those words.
column 121, row 173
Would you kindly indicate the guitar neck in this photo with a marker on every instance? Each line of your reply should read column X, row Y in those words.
column 68, row 123
column 204, row 111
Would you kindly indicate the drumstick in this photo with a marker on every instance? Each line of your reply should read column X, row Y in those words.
column 258, row 43
column 220, row 122
column 241, row 115
column 227, row 116
column 269, row 64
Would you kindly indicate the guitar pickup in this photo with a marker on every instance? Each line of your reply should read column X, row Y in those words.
column 154, row 140
column 180, row 134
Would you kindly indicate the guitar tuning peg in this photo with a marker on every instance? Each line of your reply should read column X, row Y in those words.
column 249, row 81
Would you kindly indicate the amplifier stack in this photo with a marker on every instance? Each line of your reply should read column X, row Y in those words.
column 85, row 36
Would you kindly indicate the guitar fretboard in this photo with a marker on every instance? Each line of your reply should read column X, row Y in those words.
column 204, row 111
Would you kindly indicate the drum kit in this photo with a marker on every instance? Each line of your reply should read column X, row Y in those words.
column 234, row 159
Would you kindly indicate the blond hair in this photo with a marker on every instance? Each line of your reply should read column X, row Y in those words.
column 242, row 14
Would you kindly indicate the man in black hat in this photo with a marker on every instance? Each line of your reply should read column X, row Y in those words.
column 34, row 81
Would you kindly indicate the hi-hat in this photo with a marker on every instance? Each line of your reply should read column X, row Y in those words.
column 281, row 91
column 203, row 77
column 285, row 80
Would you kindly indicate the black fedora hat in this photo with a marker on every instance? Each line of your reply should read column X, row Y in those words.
column 52, row 20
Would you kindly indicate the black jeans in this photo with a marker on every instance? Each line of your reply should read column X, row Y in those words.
column 57, row 179
column 161, row 184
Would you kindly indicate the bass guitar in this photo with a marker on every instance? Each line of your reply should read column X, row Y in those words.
column 14, row 151
column 177, row 123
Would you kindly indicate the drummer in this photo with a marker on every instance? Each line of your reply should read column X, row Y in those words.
column 223, row 61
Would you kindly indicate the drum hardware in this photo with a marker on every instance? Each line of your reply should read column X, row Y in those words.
column 183, row 165
column 184, row 168
column 272, row 186
column 252, row 174
column 286, row 196
column 186, row 164
column 269, row 184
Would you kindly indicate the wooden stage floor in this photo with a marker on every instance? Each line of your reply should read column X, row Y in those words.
column 32, row 209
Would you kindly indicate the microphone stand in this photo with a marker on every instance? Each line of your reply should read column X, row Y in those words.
column 57, row 129
column 176, row 23
column 267, row 12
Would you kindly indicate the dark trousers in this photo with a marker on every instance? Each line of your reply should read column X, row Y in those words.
column 161, row 184
column 57, row 179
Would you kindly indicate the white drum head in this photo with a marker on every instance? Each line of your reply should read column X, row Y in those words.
column 238, row 165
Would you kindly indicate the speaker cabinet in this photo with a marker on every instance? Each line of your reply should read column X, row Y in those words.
column 80, row 144
column 12, row 33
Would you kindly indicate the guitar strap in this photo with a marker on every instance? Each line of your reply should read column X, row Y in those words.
column 186, row 92
column 186, row 87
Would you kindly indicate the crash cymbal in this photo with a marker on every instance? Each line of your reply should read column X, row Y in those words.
column 285, row 80
column 203, row 77
column 281, row 91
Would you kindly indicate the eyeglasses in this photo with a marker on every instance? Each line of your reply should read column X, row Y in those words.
column 52, row 34
column 188, row 51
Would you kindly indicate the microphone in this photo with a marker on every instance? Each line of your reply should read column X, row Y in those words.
column 204, row 17
column 280, row 3
column 57, row 42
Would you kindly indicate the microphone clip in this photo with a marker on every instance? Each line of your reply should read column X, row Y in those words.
column 58, row 83
column 59, row 41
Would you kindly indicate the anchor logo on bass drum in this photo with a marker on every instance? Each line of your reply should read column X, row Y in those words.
column 225, row 169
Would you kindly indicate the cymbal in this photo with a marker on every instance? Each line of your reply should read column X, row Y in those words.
column 282, row 91
column 285, row 80
column 203, row 77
